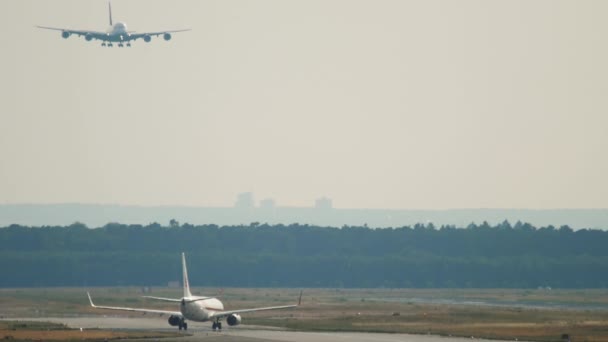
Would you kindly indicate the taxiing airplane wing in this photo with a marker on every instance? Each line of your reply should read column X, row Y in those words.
column 162, row 312
column 92, row 34
column 219, row 314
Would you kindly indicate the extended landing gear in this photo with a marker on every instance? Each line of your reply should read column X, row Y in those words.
column 216, row 326
column 183, row 325
column 119, row 44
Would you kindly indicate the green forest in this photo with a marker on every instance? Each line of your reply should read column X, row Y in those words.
column 258, row 255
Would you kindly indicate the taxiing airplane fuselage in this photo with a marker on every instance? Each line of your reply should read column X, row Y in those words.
column 201, row 311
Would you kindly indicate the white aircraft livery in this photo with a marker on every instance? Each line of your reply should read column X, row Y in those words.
column 196, row 308
column 116, row 33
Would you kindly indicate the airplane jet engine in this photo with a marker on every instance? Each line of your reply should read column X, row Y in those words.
column 88, row 37
column 233, row 320
column 174, row 320
column 167, row 36
column 147, row 38
column 65, row 34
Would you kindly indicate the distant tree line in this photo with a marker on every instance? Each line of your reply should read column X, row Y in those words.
column 260, row 255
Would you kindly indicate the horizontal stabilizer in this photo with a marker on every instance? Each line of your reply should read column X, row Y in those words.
column 164, row 299
column 184, row 300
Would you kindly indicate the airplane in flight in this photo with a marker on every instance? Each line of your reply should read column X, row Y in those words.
column 197, row 308
column 116, row 33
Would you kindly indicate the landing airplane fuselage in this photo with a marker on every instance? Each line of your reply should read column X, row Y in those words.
column 118, row 32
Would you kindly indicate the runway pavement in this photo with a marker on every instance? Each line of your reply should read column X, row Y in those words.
column 242, row 333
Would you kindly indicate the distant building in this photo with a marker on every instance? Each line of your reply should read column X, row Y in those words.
column 323, row 203
column 244, row 201
column 268, row 210
column 267, row 204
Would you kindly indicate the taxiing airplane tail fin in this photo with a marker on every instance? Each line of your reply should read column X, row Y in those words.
column 110, row 12
column 185, row 271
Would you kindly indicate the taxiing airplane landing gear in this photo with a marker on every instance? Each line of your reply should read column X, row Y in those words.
column 120, row 45
column 183, row 325
column 110, row 44
column 216, row 326
column 103, row 44
column 128, row 44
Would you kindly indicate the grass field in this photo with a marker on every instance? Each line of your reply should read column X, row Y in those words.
column 16, row 331
column 534, row 315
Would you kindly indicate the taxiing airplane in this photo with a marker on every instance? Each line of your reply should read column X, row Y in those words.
column 116, row 33
column 196, row 308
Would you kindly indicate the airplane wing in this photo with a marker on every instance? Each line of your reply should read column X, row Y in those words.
column 228, row 313
column 135, row 35
column 162, row 312
column 93, row 34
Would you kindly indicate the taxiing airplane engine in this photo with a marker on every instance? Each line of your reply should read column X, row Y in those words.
column 174, row 320
column 147, row 38
column 88, row 37
column 65, row 34
column 233, row 320
column 167, row 36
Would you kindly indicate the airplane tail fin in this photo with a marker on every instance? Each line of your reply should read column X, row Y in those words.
column 185, row 271
column 110, row 12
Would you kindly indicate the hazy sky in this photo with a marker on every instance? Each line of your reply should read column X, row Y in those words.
column 375, row 104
